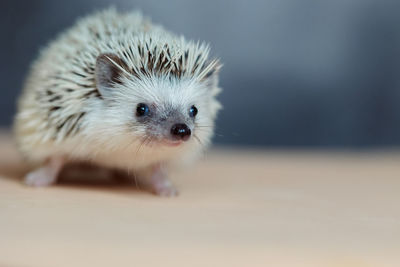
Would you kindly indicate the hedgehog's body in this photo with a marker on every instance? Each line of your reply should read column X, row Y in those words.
column 109, row 90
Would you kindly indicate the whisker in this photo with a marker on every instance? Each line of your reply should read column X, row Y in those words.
column 142, row 142
column 130, row 144
column 202, row 151
column 208, row 131
column 198, row 139
column 149, row 141
column 203, row 126
column 204, row 130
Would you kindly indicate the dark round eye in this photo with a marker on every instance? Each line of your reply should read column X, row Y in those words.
column 193, row 111
column 142, row 110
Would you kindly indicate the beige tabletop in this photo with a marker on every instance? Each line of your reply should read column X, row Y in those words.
column 235, row 208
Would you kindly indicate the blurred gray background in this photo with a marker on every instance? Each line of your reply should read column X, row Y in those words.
column 296, row 72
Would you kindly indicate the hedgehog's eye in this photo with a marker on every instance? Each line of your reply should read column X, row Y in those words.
column 193, row 111
column 142, row 110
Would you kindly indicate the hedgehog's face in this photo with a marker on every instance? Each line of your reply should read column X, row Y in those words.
column 160, row 110
column 165, row 122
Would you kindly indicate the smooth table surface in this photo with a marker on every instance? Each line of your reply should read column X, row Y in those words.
column 235, row 208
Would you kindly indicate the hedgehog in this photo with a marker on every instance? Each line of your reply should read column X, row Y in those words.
column 121, row 93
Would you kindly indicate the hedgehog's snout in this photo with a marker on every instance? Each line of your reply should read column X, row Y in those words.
column 181, row 131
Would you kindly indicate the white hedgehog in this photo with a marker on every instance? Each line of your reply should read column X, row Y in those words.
column 122, row 93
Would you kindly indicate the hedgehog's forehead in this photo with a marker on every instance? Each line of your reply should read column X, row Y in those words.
column 165, row 90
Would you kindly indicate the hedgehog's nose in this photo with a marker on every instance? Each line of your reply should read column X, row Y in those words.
column 181, row 131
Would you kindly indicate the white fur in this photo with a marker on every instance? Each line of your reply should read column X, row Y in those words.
column 104, row 136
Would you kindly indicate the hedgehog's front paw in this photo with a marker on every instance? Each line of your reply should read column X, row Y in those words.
column 40, row 177
column 45, row 175
column 164, row 188
column 156, row 181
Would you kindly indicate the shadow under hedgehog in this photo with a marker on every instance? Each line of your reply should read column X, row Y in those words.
column 122, row 93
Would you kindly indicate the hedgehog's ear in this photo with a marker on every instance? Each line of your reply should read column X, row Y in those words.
column 109, row 70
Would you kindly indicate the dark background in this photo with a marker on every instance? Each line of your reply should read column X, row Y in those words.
column 296, row 72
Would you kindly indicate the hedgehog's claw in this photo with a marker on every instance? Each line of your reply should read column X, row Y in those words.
column 45, row 175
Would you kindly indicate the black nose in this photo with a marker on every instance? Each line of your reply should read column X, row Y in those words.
column 181, row 131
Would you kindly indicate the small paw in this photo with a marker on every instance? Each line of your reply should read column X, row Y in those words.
column 156, row 181
column 40, row 178
column 165, row 190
